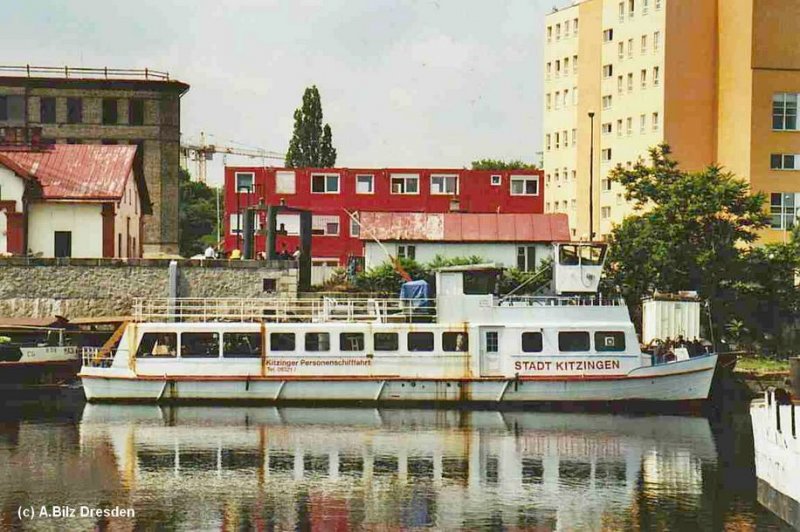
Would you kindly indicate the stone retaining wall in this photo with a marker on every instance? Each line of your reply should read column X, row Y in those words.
column 108, row 287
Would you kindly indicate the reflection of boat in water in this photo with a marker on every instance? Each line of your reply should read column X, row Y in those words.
column 776, row 438
column 467, row 344
column 570, row 470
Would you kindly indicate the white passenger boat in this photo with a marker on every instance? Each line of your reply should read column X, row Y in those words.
column 465, row 345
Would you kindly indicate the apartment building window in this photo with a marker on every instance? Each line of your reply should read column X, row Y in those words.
column 574, row 175
column 564, row 206
column 622, row 11
column 325, row 225
column 642, row 123
column 605, row 185
column 629, row 126
column 136, row 112
column 630, row 82
column 47, row 109
column 566, row 65
column 74, row 110
column 547, row 101
column 548, row 180
column 605, row 213
column 574, row 95
column 655, row 121
column 548, row 69
column 606, row 128
column 631, row 7
column 620, row 83
column 547, row 207
column 780, row 161
column 558, row 140
column 365, row 184
column 630, row 48
column 575, row 26
column 619, row 127
column 558, row 32
column 566, row 138
column 608, row 35
column 557, row 174
column 621, row 50
column 549, row 33
column 574, row 136
column 244, row 181
column 656, row 41
column 547, row 142
column 496, row 180
column 444, row 184
column 564, row 172
column 656, row 76
column 574, row 64
column 643, row 78
column 608, row 71
column 644, row 44
column 606, row 155
column 558, row 99
column 110, row 115
column 12, row 108
column 407, row 252
column 782, row 210
column 558, row 67
column 658, row 4
column 566, row 28
column 524, row 186
column 607, row 102
column 645, row 4
column 405, row 184
column 566, row 97
column 784, row 111
column 324, row 183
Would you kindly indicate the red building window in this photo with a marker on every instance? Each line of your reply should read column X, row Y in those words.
column 405, row 184
column 324, row 183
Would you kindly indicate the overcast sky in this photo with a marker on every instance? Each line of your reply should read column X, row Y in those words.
column 403, row 83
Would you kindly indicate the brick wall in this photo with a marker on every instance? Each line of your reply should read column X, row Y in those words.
column 108, row 287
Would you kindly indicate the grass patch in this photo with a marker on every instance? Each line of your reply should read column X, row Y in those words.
column 757, row 364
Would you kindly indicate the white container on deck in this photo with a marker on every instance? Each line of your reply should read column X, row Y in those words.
column 669, row 318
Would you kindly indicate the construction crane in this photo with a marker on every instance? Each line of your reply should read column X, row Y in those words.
column 202, row 152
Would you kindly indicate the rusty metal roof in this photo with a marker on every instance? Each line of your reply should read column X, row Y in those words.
column 75, row 171
column 465, row 227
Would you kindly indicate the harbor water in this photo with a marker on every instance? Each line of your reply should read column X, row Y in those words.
column 121, row 467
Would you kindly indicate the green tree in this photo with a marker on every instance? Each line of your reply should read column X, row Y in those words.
column 198, row 215
column 499, row 164
column 687, row 234
column 311, row 144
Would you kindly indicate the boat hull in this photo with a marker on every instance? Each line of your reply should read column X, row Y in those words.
column 682, row 381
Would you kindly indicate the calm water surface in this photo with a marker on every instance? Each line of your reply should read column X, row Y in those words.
column 212, row 468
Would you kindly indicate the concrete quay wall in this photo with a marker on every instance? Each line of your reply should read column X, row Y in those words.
column 108, row 287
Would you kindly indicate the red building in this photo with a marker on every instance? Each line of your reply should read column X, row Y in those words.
column 329, row 192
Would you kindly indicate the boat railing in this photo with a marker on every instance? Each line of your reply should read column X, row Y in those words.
column 316, row 310
column 559, row 301
column 94, row 357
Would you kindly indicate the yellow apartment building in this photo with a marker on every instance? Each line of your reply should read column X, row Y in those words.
column 718, row 80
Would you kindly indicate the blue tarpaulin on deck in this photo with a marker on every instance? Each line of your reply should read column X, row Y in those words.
column 415, row 290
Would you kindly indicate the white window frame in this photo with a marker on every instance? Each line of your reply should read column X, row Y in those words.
column 608, row 35
column 445, row 178
column 605, row 184
column 784, row 114
column 789, row 215
column 524, row 179
column 497, row 179
column 606, row 128
column 606, row 155
column 406, row 178
column 608, row 102
column 608, row 70
column 323, row 220
column 371, row 183
column 605, row 212
column 404, row 250
column 325, row 177
column 355, row 228
column 783, row 166
column 252, row 186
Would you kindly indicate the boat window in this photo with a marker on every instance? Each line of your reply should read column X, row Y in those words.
column 158, row 345
column 385, row 341
column 492, row 342
column 592, row 255
column 568, row 255
column 200, row 345
column 531, row 342
column 351, row 341
column 480, row 283
column 318, row 341
column 455, row 341
column 281, row 341
column 609, row 341
column 420, row 341
column 241, row 345
column 573, row 341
